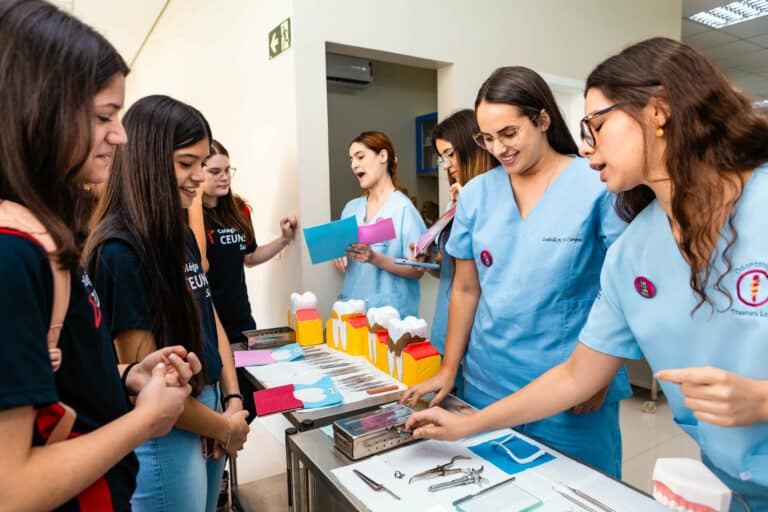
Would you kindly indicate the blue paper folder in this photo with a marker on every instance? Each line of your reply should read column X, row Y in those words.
column 329, row 241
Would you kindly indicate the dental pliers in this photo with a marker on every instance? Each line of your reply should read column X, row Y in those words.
column 440, row 469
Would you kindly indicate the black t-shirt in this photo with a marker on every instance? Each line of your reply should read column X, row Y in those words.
column 87, row 380
column 226, row 250
column 126, row 300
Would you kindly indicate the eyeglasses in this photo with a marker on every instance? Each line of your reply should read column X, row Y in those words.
column 444, row 157
column 587, row 133
column 215, row 172
column 506, row 138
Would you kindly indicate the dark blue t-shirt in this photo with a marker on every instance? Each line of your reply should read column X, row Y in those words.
column 126, row 300
column 226, row 249
column 87, row 380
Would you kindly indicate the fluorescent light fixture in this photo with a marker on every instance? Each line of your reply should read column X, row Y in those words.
column 760, row 104
column 731, row 14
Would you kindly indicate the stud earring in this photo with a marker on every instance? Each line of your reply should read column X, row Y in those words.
column 659, row 131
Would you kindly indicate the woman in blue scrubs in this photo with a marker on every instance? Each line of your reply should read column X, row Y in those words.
column 529, row 238
column 370, row 271
column 687, row 283
column 462, row 160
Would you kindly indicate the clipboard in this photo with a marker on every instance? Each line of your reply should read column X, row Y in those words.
column 433, row 232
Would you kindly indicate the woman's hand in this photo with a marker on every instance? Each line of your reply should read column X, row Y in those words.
column 453, row 192
column 340, row 264
column 437, row 423
column 238, row 431
column 160, row 402
column 720, row 397
column 361, row 253
column 593, row 404
column 288, row 229
column 177, row 373
column 441, row 384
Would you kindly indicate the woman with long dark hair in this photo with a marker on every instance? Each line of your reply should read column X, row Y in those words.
column 529, row 238
column 687, row 283
column 63, row 85
column 370, row 273
column 147, row 266
column 462, row 160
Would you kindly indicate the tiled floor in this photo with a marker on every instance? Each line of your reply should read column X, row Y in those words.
column 646, row 437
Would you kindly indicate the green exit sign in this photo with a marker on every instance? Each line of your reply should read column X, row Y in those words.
column 279, row 38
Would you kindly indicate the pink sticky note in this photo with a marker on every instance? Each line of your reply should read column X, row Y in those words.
column 253, row 357
column 380, row 231
column 279, row 399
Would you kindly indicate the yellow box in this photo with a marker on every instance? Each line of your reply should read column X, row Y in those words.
column 309, row 327
column 420, row 361
column 357, row 335
column 382, row 351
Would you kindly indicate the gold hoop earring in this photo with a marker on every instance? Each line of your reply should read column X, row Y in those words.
column 659, row 131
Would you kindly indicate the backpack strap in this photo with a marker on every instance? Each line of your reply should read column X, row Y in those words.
column 18, row 218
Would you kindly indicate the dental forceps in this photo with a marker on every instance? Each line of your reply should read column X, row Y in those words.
column 440, row 469
column 472, row 476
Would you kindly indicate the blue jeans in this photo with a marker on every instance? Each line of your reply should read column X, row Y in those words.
column 173, row 475
column 593, row 438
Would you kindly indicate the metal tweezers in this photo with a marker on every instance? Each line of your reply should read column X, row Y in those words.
column 376, row 486
column 440, row 469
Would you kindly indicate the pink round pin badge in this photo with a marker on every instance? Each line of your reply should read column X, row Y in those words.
column 645, row 287
column 486, row 258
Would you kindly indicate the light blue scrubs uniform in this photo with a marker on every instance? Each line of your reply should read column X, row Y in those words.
column 440, row 320
column 538, row 279
column 378, row 287
column 645, row 309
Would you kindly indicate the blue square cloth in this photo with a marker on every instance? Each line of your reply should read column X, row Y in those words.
column 499, row 458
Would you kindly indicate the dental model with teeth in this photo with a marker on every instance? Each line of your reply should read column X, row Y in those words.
column 304, row 318
column 529, row 238
column 686, row 285
column 401, row 334
column 379, row 319
column 153, row 291
column 370, row 273
column 336, row 328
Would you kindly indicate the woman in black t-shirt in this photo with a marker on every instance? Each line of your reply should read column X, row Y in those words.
column 231, row 245
column 147, row 267
column 62, row 86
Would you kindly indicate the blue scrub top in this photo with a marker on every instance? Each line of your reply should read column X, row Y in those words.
column 630, row 320
column 369, row 283
column 538, row 276
column 447, row 270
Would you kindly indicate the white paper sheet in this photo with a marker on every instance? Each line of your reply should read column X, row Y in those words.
column 304, row 372
column 538, row 481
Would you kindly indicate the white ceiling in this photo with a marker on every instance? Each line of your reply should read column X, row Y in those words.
column 740, row 50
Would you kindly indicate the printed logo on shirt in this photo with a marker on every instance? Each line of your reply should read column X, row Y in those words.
column 227, row 236
column 196, row 278
column 93, row 298
column 751, row 290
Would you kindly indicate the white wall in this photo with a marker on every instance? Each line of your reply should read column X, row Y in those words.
column 390, row 104
column 214, row 56
column 273, row 115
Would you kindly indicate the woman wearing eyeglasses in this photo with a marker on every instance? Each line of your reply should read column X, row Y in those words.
column 462, row 160
column 230, row 247
column 370, row 273
column 529, row 238
column 687, row 284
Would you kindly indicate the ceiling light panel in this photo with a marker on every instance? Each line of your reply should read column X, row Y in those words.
column 732, row 13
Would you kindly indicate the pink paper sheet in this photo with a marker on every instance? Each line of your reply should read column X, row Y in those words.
column 253, row 357
column 380, row 231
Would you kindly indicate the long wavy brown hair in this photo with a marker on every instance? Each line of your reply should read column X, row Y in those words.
column 230, row 210
column 712, row 136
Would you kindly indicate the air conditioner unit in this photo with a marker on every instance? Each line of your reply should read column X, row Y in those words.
column 351, row 71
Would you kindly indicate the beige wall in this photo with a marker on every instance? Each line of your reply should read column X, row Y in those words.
column 273, row 114
column 390, row 104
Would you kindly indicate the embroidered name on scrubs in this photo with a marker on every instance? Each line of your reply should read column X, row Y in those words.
column 645, row 287
column 226, row 236
column 486, row 258
column 196, row 278
column 93, row 298
column 752, row 287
